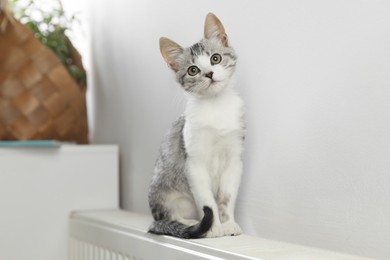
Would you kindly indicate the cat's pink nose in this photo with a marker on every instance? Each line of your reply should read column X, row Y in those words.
column 209, row 75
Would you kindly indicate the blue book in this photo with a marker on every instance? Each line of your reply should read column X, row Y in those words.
column 33, row 143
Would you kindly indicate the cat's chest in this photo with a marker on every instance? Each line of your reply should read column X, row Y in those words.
column 222, row 116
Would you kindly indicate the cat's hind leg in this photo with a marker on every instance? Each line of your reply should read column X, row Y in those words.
column 183, row 208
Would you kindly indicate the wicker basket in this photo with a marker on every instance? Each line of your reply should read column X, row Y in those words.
column 39, row 99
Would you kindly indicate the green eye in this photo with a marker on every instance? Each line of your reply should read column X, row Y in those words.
column 215, row 59
column 193, row 70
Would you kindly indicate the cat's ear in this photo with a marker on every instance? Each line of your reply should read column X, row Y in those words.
column 170, row 51
column 213, row 29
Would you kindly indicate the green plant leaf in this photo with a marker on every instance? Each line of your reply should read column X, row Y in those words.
column 51, row 30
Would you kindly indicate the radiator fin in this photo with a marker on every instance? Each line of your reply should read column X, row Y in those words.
column 80, row 250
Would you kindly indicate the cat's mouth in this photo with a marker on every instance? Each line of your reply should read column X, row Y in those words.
column 213, row 81
column 210, row 85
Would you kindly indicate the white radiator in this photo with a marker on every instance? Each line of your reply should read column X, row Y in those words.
column 120, row 235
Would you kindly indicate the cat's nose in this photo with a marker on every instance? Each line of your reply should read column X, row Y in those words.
column 210, row 75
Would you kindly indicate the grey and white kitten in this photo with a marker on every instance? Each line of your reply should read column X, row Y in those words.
column 198, row 171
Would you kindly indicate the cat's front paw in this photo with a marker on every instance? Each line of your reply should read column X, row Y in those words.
column 231, row 229
column 215, row 231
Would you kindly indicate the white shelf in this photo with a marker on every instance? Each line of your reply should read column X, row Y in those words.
column 39, row 187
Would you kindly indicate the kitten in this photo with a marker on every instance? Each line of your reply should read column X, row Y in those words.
column 196, row 177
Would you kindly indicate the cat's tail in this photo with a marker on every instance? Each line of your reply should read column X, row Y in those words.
column 177, row 229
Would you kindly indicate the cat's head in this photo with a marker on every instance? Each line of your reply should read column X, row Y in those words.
column 206, row 68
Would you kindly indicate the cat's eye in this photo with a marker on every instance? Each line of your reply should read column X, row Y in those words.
column 193, row 70
column 215, row 59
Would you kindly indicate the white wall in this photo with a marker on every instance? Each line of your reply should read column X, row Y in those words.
column 315, row 76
